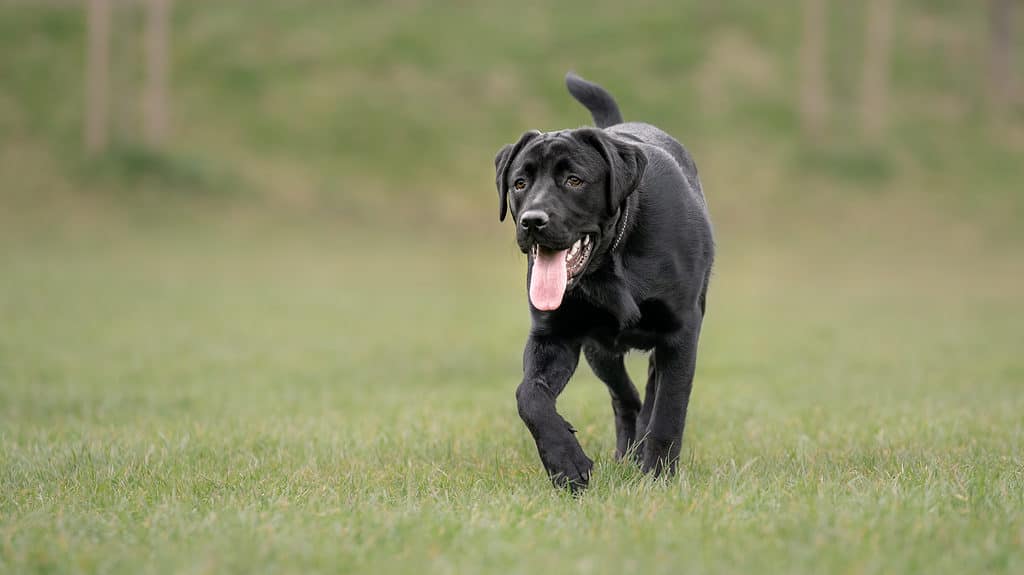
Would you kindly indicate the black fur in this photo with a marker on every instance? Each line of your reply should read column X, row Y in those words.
column 501, row 163
column 645, row 291
column 600, row 103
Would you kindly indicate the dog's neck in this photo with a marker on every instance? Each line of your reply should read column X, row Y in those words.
column 623, row 222
column 608, row 292
column 627, row 213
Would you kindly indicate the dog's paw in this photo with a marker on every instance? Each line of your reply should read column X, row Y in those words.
column 626, row 449
column 657, row 457
column 568, row 466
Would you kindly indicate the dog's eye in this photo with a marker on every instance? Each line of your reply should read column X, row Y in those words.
column 574, row 182
column 520, row 184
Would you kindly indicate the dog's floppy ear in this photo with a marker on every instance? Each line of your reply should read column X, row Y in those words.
column 626, row 164
column 501, row 164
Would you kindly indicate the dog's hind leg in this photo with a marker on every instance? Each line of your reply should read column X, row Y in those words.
column 674, row 367
column 650, row 392
column 610, row 368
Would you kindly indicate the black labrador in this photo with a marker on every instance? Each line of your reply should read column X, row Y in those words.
column 620, row 250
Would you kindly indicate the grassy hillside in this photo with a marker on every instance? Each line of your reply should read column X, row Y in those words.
column 356, row 108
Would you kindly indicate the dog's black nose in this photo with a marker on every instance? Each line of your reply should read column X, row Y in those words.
column 534, row 219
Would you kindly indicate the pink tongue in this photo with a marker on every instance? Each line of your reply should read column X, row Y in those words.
column 547, row 282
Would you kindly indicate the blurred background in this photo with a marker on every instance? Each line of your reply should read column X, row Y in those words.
column 802, row 113
column 335, row 159
column 257, row 311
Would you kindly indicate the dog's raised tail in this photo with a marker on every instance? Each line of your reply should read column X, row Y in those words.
column 600, row 103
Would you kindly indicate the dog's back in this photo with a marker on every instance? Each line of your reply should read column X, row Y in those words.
column 606, row 114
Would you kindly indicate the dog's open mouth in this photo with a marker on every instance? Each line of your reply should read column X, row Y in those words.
column 554, row 270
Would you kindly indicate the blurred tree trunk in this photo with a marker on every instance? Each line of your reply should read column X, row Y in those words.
column 97, row 76
column 874, row 84
column 155, row 119
column 813, row 57
column 1000, row 65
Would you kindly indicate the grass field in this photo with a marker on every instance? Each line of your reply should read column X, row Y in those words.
column 288, row 341
column 195, row 403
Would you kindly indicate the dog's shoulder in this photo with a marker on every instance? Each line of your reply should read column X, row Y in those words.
column 646, row 134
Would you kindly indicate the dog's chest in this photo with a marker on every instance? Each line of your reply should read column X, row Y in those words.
column 632, row 338
column 656, row 320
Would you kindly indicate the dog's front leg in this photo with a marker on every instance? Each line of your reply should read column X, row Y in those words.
column 548, row 363
column 674, row 366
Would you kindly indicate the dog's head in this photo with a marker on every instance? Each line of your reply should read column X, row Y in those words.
column 564, row 190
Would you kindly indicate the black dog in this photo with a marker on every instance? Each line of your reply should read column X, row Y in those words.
column 620, row 250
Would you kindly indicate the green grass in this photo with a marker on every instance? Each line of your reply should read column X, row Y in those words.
column 240, row 354
column 357, row 103
column 200, row 402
